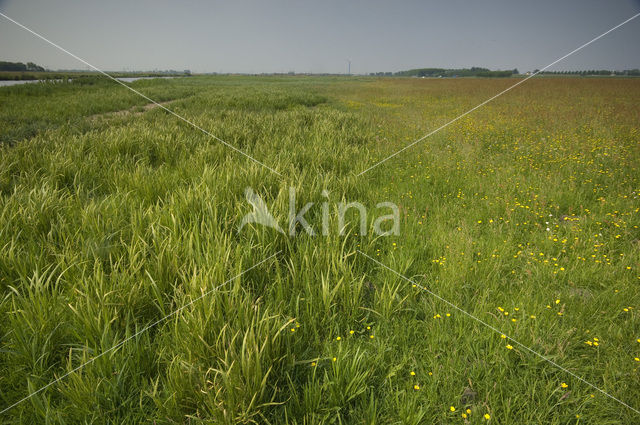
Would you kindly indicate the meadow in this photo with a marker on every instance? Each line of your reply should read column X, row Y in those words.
column 523, row 214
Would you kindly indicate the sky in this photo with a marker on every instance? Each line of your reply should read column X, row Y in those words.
column 320, row 36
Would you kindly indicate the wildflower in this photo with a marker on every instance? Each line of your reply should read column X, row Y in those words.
column 564, row 385
column 557, row 301
column 487, row 416
column 464, row 416
column 533, row 316
column 338, row 339
column 509, row 347
column 468, row 411
column 636, row 359
column 430, row 373
column 453, row 409
column 412, row 373
column 335, row 359
column 313, row 363
column 351, row 332
column 371, row 336
column 293, row 329
column 416, row 387
column 503, row 336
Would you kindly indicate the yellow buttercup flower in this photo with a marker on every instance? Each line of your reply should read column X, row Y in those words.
column 453, row 409
column 509, row 347
column 487, row 416
column 564, row 385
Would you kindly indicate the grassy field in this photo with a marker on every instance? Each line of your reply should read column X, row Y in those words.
column 524, row 214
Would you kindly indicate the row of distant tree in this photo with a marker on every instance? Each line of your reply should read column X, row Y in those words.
column 445, row 72
column 19, row 66
column 630, row 72
column 484, row 72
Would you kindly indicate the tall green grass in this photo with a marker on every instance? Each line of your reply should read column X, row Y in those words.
column 108, row 225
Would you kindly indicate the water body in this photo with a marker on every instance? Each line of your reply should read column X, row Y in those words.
column 7, row 83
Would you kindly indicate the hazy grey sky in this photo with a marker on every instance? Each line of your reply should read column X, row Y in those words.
column 319, row 36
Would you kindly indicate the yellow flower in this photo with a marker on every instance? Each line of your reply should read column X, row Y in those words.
column 557, row 301
column 430, row 373
column 293, row 329
column 335, row 359
column 338, row 339
column 564, row 385
column 453, row 409
column 503, row 336
column 464, row 416
column 412, row 373
column 351, row 332
column 636, row 359
column 468, row 411
column 371, row 336
column 416, row 387
column 532, row 316
column 313, row 363
column 487, row 416
column 509, row 347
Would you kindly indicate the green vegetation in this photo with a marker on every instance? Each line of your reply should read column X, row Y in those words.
column 464, row 72
column 524, row 213
column 19, row 66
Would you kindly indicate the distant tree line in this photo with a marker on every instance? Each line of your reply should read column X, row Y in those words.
column 629, row 72
column 484, row 72
column 444, row 72
column 19, row 66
